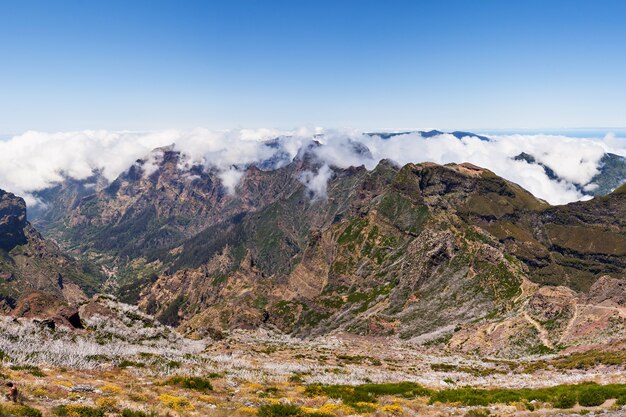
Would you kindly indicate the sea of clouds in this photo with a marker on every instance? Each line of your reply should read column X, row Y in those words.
column 36, row 160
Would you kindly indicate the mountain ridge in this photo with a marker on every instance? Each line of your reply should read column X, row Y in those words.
column 411, row 251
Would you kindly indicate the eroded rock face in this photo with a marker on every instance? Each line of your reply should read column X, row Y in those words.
column 32, row 267
column 608, row 291
column 12, row 221
column 385, row 254
column 550, row 304
column 37, row 305
column 48, row 310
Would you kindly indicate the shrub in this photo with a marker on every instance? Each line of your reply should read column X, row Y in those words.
column 363, row 407
column 560, row 396
column 108, row 405
column 592, row 397
column 137, row 397
column 125, row 363
column 589, row 359
column 478, row 413
column 33, row 370
column 335, row 409
column 111, row 389
column 392, row 409
column 14, row 410
column 39, row 393
column 133, row 413
column 367, row 393
column 190, row 382
column 176, row 403
column 565, row 400
column 73, row 410
column 280, row 410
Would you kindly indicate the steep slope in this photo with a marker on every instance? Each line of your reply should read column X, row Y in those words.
column 31, row 265
column 578, row 250
column 410, row 252
column 568, row 245
column 381, row 234
column 57, row 201
column 155, row 204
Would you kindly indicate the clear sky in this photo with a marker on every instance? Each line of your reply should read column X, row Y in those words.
column 67, row 65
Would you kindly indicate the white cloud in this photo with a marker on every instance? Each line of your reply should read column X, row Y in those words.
column 317, row 182
column 35, row 160
column 230, row 179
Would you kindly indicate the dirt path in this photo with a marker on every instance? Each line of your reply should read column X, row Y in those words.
column 570, row 322
column 579, row 307
column 543, row 333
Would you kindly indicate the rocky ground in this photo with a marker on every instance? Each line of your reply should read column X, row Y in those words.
column 125, row 363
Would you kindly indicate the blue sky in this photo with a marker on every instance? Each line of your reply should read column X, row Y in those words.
column 364, row 64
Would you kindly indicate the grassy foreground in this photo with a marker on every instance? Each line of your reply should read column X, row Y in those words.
column 183, row 396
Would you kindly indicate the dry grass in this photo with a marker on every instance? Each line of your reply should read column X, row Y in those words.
column 110, row 372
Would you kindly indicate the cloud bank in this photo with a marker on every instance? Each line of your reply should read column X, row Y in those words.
column 35, row 160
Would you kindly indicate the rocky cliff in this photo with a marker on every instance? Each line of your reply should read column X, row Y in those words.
column 32, row 268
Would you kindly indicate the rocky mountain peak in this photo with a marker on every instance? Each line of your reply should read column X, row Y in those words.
column 12, row 221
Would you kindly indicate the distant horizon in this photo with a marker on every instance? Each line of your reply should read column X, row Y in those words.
column 565, row 131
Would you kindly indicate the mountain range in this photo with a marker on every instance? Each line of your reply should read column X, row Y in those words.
column 450, row 254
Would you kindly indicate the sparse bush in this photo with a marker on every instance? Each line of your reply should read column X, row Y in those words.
column 124, row 363
column 565, row 400
column 393, row 409
column 33, row 370
column 15, row 410
column 73, row 410
column 591, row 358
column 280, row 410
column 28, row 345
column 137, row 397
column 190, row 382
column 176, row 403
column 39, row 393
column 363, row 407
column 134, row 413
column 335, row 409
column 296, row 378
column 478, row 413
column 108, row 405
column 111, row 389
